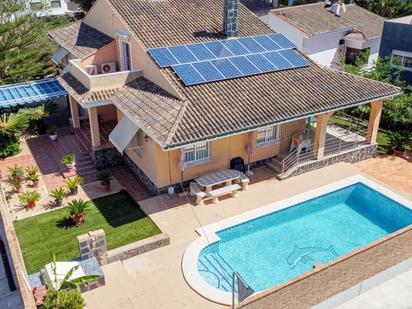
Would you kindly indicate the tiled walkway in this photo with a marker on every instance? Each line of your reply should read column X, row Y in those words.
column 129, row 180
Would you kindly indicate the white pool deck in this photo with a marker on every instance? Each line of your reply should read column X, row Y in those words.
column 155, row 279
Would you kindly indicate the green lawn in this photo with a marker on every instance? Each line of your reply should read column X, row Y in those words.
column 53, row 233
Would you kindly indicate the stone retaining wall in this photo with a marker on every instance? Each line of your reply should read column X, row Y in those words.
column 329, row 279
column 352, row 156
column 138, row 247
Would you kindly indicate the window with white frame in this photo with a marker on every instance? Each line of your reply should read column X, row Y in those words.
column 137, row 143
column 402, row 59
column 197, row 153
column 267, row 135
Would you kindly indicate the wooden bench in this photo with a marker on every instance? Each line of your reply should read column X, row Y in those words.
column 195, row 190
column 232, row 189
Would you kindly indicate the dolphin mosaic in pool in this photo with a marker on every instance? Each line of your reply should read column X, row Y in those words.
column 304, row 254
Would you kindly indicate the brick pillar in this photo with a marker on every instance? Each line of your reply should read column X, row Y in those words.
column 320, row 135
column 230, row 18
column 94, row 126
column 374, row 120
column 93, row 244
column 74, row 111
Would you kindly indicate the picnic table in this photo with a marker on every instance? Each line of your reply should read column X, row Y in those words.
column 217, row 178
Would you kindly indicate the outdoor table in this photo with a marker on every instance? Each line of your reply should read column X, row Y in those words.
column 216, row 178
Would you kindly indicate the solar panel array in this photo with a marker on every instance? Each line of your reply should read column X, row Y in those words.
column 32, row 92
column 219, row 60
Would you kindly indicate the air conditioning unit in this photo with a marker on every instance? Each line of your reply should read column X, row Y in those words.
column 108, row 67
column 91, row 69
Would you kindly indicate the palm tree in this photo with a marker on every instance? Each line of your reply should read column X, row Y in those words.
column 12, row 124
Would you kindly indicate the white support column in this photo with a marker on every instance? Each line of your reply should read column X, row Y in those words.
column 374, row 120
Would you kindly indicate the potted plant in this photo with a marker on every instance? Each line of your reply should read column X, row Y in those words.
column 16, row 172
column 398, row 141
column 58, row 195
column 15, row 183
column 69, row 160
column 31, row 170
column 52, row 133
column 76, row 209
column 34, row 180
column 73, row 183
column 105, row 180
column 30, row 198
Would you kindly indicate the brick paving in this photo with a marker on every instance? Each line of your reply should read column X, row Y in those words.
column 131, row 183
column 393, row 171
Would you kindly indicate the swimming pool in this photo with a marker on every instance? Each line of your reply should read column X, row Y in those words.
column 284, row 240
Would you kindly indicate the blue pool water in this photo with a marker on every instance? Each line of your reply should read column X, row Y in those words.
column 284, row 244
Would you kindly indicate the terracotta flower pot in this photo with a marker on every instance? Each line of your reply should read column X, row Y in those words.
column 106, row 187
column 35, row 184
column 31, row 204
column 17, row 190
column 78, row 219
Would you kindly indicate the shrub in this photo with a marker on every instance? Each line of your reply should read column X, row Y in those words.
column 73, row 183
column 58, row 195
column 16, row 172
column 9, row 150
column 104, row 178
column 71, row 299
column 31, row 170
column 77, row 207
column 69, row 159
column 15, row 183
column 399, row 140
column 12, row 126
column 29, row 198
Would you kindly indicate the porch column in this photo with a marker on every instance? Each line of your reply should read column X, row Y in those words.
column 320, row 135
column 94, row 126
column 374, row 119
column 74, row 110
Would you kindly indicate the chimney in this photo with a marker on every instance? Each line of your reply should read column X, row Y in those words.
column 336, row 7
column 231, row 8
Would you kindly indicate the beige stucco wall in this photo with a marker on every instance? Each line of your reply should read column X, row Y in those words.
column 162, row 167
column 107, row 112
column 105, row 54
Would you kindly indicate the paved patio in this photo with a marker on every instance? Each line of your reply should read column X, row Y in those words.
column 154, row 279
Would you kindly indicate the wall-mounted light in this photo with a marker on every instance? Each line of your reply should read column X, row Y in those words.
column 146, row 138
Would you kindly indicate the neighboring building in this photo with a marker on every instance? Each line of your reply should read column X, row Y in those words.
column 54, row 7
column 324, row 33
column 168, row 131
column 397, row 44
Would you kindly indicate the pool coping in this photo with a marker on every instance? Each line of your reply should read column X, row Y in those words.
column 208, row 233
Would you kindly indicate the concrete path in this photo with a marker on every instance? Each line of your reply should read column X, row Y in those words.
column 395, row 293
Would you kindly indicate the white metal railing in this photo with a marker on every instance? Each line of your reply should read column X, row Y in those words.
column 333, row 146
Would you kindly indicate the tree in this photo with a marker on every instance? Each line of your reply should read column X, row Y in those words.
column 387, row 8
column 25, row 49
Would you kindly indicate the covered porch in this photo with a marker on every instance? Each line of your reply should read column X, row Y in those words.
column 326, row 142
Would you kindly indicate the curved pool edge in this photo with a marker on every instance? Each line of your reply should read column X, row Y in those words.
column 208, row 234
column 192, row 275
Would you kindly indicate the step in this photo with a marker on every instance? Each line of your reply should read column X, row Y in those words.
column 275, row 165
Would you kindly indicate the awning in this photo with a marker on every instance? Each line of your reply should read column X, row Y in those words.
column 30, row 92
column 59, row 55
column 123, row 133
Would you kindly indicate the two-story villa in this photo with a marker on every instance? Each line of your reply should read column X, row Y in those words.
column 172, row 123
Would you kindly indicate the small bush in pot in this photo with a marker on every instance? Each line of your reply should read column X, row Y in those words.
column 77, row 210
column 34, row 180
column 16, row 183
column 69, row 160
column 16, row 172
column 30, row 198
column 73, row 183
column 31, row 170
column 52, row 133
column 58, row 195
column 105, row 179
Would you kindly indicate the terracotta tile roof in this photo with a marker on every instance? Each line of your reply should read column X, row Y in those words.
column 153, row 109
column 171, row 22
column 315, row 19
column 357, row 35
column 80, row 93
column 230, row 106
column 80, row 39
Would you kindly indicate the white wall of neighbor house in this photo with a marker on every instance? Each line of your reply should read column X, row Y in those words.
column 55, row 7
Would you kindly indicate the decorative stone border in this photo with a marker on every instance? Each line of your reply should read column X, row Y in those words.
column 138, row 247
column 208, row 235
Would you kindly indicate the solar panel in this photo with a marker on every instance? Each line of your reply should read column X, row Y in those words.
column 281, row 40
column 294, row 58
column 188, row 74
column 277, row 60
column 208, row 71
column 182, row 54
column 244, row 65
column 163, row 57
column 226, row 68
column 219, row 60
